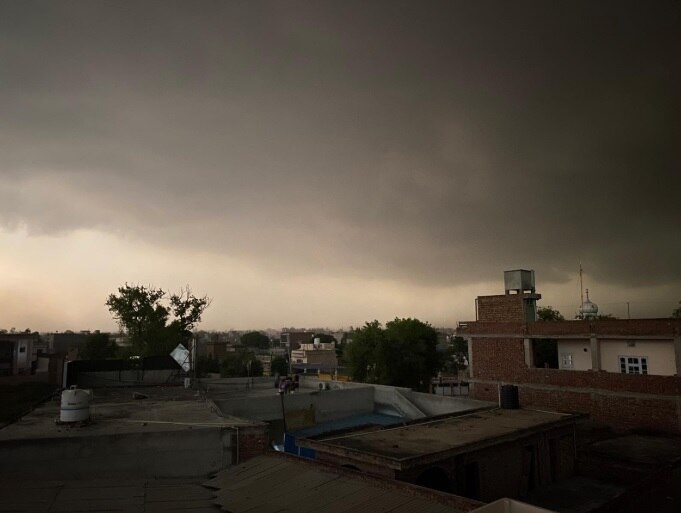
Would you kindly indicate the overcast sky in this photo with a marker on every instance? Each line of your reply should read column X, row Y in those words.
column 327, row 163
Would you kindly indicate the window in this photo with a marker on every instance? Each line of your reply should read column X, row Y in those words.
column 634, row 364
column 22, row 349
column 566, row 360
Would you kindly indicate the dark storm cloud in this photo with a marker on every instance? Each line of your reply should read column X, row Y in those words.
column 436, row 143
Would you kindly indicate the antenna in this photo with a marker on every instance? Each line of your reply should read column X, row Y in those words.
column 581, row 291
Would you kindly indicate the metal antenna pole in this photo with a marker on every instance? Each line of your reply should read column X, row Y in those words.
column 581, row 291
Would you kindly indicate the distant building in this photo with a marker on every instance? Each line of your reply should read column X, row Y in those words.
column 625, row 373
column 292, row 339
column 16, row 353
column 316, row 354
column 67, row 342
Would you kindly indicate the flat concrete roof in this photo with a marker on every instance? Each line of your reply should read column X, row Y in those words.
column 400, row 447
column 278, row 482
column 115, row 411
column 114, row 495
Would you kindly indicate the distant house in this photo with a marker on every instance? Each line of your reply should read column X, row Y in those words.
column 16, row 352
column 67, row 342
column 292, row 339
column 317, row 354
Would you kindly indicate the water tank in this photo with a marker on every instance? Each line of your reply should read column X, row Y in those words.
column 75, row 405
column 519, row 280
column 509, row 397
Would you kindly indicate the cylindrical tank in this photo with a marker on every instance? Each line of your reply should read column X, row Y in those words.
column 508, row 398
column 75, row 405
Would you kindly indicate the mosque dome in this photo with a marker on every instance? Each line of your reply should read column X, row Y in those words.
column 589, row 309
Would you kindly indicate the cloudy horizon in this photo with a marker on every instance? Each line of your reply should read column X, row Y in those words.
column 329, row 163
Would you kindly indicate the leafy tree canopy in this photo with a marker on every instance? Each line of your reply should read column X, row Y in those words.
column 240, row 364
column 155, row 322
column 401, row 354
column 457, row 355
column 255, row 339
column 279, row 366
column 548, row 313
column 324, row 338
column 98, row 346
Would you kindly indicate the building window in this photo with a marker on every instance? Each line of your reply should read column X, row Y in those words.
column 634, row 364
column 22, row 349
column 566, row 360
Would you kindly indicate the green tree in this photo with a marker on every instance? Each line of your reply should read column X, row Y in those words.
column 457, row 355
column 402, row 354
column 241, row 364
column 204, row 365
column 255, row 339
column 325, row 338
column 98, row 346
column 548, row 313
column 360, row 354
column 156, row 324
column 279, row 366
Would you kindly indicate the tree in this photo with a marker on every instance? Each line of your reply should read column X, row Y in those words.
column 98, row 346
column 156, row 324
column 402, row 354
column 548, row 313
column 204, row 365
column 360, row 354
column 457, row 355
column 325, row 338
column 240, row 364
column 255, row 339
column 279, row 366
column 605, row 317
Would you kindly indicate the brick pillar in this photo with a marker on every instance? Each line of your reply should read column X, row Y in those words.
column 470, row 356
column 595, row 353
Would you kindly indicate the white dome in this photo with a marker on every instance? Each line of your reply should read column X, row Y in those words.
column 589, row 309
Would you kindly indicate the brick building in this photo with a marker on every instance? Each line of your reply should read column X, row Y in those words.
column 624, row 373
column 484, row 455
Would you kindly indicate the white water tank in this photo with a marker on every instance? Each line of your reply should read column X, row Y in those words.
column 75, row 405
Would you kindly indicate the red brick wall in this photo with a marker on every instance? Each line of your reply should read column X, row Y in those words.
column 252, row 442
column 507, row 307
column 501, row 466
column 503, row 359
column 623, row 401
column 614, row 327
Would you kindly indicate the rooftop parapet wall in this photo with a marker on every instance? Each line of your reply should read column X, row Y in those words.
column 611, row 327
column 504, row 307
column 503, row 360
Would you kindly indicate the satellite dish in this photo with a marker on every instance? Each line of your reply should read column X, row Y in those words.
column 181, row 355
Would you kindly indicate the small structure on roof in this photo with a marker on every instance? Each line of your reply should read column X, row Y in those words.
column 484, row 455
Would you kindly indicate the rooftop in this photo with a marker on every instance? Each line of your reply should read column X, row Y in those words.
column 115, row 411
column 168, row 432
column 400, row 447
column 281, row 483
